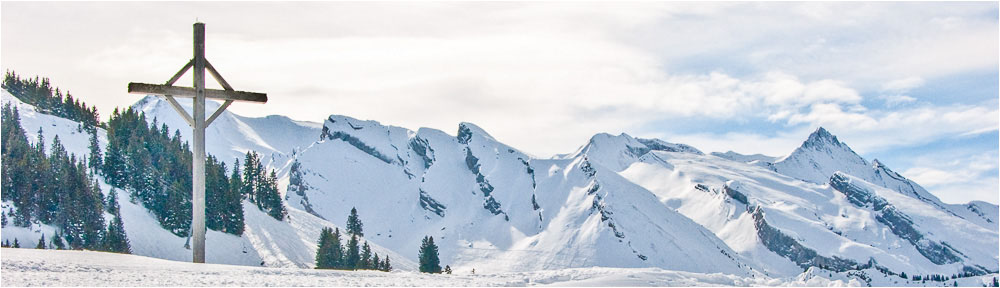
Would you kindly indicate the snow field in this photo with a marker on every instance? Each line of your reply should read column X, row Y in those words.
column 30, row 267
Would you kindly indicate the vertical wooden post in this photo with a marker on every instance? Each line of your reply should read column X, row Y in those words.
column 198, row 169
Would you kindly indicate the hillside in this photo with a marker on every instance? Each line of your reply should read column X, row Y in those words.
column 617, row 202
column 266, row 242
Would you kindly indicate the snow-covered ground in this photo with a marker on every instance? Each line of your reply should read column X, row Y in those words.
column 30, row 267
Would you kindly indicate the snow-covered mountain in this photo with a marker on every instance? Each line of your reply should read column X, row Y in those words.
column 751, row 159
column 786, row 210
column 821, row 155
column 618, row 201
column 230, row 136
column 493, row 207
column 265, row 242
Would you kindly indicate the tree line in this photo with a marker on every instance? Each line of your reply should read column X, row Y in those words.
column 142, row 158
column 155, row 167
column 331, row 254
column 56, row 189
column 50, row 100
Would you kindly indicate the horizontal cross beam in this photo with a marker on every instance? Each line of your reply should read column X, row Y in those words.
column 144, row 88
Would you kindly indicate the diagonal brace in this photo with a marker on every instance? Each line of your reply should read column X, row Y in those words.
column 225, row 85
column 217, row 76
column 218, row 112
column 173, row 102
column 180, row 110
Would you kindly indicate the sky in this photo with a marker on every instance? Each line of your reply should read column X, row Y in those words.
column 914, row 85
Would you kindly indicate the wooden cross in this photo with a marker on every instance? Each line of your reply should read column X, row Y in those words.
column 198, row 123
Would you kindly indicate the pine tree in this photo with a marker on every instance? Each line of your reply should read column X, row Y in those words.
column 337, row 252
column 116, row 240
column 111, row 203
column 94, row 160
column 234, row 200
column 353, row 256
column 57, row 242
column 429, row 262
column 273, row 203
column 354, row 225
column 219, row 206
column 366, row 257
column 261, row 188
column 250, row 177
column 3, row 222
column 41, row 243
column 376, row 263
column 16, row 244
column 324, row 253
column 113, row 167
column 386, row 265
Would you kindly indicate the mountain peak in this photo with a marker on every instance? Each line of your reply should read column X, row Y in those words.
column 466, row 130
column 820, row 137
column 820, row 156
column 660, row 145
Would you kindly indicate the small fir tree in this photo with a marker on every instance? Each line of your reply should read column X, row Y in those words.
column 116, row 240
column 366, row 257
column 324, row 254
column 354, row 225
column 428, row 255
column 41, row 243
column 386, row 264
column 94, row 159
column 57, row 242
column 337, row 254
column 353, row 255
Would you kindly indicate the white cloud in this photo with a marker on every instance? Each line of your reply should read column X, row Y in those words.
column 894, row 92
column 544, row 77
column 973, row 177
column 893, row 100
column 904, row 84
column 541, row 76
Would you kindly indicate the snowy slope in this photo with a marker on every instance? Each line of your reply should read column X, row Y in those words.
column 490, row 206
column 752, row 159
column 618, row 201
column 230, row 136
column 277, row 244
column 979, row 212
column 760, row 213
column 28, row 267
column 822, row 154
column 76, row 141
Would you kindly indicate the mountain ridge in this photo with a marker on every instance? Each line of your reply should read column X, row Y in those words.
column 619, row 201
